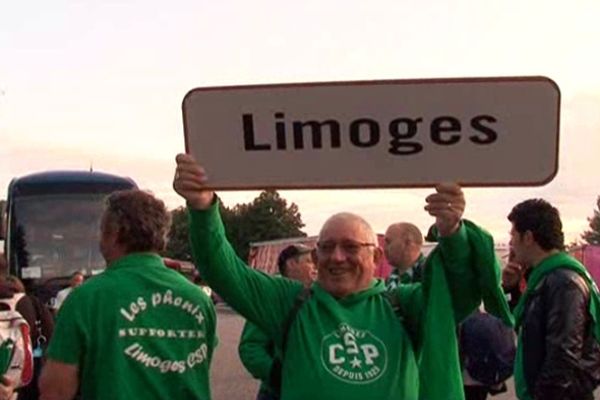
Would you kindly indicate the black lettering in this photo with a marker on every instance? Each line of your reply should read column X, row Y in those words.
column 280, row 131
column 397, row 146
column 489, row 134
column 445, row 124
column 249, row 144
column 317, row 133
column 373, row 127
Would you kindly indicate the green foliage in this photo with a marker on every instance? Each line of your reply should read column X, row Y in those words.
column 267, row 217
column 179, row 246
column 592, row 236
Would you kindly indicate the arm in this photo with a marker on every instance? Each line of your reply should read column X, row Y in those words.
column 258, row 297
column 456, row 259
column 59, row 381
column 467, row 255
column 256, row 351
column 60, row 376
column 566, row 317
column 511, row 277
column 447, row 205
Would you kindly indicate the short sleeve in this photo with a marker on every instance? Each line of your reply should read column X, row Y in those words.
column 68, row 339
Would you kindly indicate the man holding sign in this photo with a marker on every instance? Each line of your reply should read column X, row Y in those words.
column 350, row 339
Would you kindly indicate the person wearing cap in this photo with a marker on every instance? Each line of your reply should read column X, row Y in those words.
column 139, row 330
column 352, row 339
column 256, row 349
column 296, row 262
column 403, row 242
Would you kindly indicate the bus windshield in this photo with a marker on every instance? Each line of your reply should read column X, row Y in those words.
column 56, row 235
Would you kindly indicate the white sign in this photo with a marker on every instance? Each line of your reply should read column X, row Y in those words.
column 478, row 132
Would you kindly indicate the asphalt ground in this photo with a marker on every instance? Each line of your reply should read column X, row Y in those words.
column 229, row 379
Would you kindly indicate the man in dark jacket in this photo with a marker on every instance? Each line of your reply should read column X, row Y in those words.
column 558, row 316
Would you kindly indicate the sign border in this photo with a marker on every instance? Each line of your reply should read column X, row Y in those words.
column 425, row 81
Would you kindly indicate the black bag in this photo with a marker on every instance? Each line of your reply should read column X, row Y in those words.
column 487, row 348
column 275, row 376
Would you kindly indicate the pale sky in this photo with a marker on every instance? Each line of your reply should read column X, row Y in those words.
column 101, row 83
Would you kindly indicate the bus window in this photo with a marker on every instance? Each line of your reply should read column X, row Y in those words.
column 57, row 235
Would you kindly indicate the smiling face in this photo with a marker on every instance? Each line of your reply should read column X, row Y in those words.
column 346, row 255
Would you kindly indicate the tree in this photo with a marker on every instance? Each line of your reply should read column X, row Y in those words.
column 179, row 246
column 267, row 217
column 592, row 236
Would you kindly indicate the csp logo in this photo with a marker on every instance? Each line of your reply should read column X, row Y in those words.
column 353, row 356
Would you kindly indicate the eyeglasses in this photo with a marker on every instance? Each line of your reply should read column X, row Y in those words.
column 348, row 247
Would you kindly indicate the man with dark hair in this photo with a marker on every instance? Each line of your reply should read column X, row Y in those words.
column 296, row 262
column 257, row 350
column 139, row 330
column 558, row 315
column 403, row 242
column 352, row 339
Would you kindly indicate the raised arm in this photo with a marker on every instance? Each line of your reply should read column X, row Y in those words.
column 452, row 255
column 260, row 298
column 447, row 205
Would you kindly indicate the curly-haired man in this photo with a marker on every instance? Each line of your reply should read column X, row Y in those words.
column 139, row 330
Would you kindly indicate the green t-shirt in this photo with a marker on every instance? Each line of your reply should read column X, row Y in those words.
column 137, row 331
column 350, row 348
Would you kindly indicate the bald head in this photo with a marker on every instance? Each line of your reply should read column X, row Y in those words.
column 407, row 231
column 352, row 221
column 403, row 242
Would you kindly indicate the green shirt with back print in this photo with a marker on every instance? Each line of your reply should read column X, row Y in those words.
column 137, row 331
